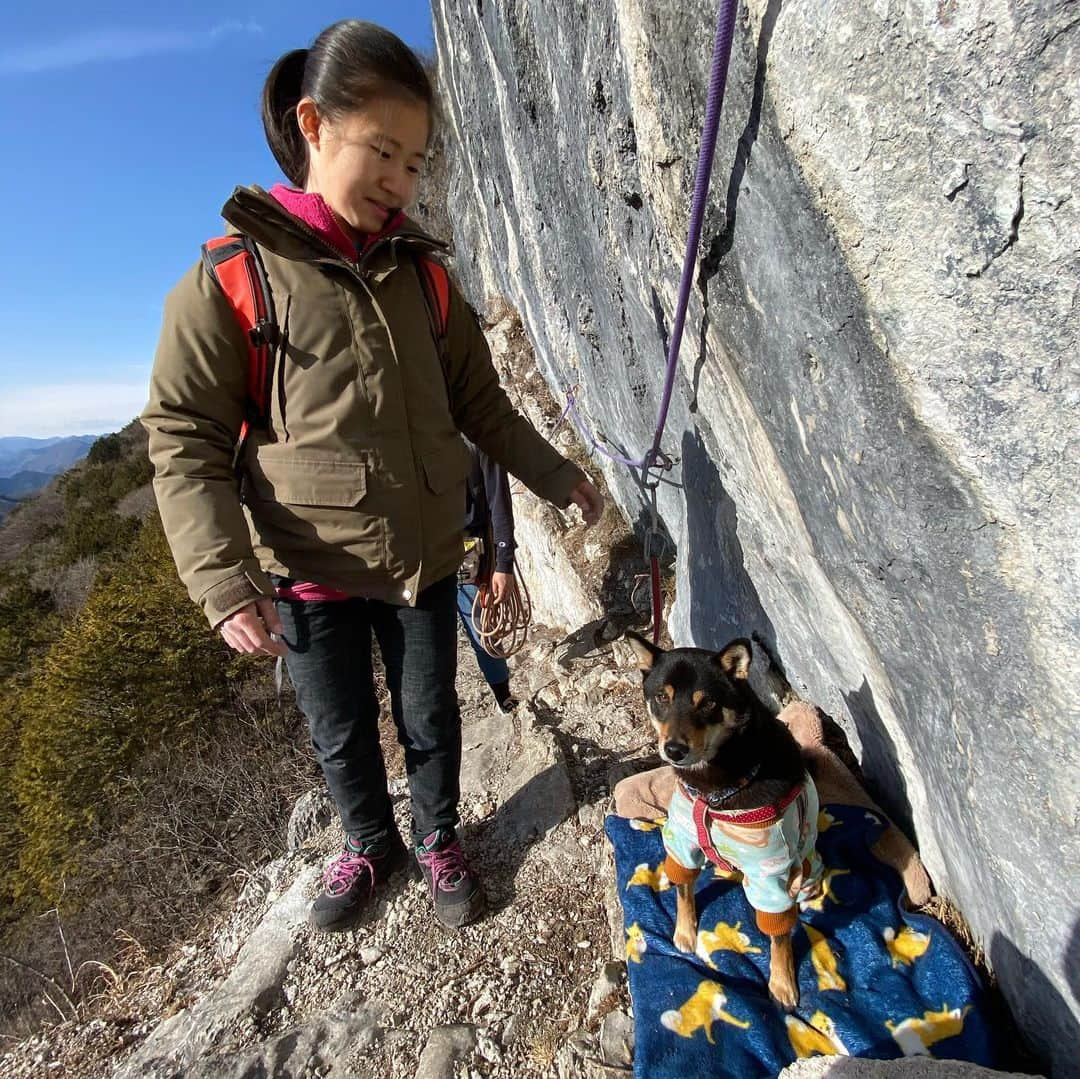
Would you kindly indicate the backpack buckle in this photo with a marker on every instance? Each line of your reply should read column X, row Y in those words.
column 264, row 332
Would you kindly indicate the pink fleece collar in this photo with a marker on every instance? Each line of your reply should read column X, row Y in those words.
column 312, row 209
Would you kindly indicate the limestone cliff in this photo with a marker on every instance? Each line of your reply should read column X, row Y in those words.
column 875, row 416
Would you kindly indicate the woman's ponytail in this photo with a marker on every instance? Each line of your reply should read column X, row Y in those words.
column 281, row 93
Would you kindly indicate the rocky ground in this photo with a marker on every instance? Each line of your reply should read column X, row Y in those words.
column 536, row 988
column 531, row 990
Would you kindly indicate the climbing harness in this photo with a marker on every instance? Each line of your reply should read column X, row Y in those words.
column 503, row 627
column 655, row 463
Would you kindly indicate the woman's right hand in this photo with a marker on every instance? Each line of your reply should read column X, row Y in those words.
column 589, row 500
column 248, row 629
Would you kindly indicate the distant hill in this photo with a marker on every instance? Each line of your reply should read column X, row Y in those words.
column 48, row 456
column 27, row 464
column 23, row 483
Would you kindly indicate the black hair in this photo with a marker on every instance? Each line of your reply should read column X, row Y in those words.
column 347, row 65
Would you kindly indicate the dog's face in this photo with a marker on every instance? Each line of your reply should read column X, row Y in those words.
column 696, row 699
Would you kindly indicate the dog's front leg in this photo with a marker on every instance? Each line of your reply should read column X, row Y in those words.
column 783, row 985
column 685, row 917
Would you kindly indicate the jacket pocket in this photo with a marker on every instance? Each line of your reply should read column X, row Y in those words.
column 445, row 469
column 308, row 480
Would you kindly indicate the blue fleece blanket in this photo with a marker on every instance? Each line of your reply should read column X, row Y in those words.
column 874, row 981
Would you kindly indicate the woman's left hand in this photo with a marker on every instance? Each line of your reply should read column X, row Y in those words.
column 500, row 587
column 589, row 500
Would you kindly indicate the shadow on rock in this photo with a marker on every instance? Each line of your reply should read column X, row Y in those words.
column 726, row 603
column 880, row 766
column 1037, row 1006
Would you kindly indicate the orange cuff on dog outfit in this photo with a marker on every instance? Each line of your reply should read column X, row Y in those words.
column 678, row 873
column 775, row 925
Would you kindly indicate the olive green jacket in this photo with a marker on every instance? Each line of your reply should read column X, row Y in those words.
column 359, row 482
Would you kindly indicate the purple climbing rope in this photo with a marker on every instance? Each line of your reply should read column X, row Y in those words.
column 655, row 458
column 583, row 429
column 655, row 462
column 725, row 30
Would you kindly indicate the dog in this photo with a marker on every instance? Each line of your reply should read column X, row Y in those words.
column 743, row 799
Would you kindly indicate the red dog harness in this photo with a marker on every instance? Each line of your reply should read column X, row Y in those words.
column 762, row 816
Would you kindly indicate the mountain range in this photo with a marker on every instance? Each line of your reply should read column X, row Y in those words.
column 27, row 464
column 45, row 455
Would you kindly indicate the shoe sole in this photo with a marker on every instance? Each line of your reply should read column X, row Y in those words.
column 463, row 914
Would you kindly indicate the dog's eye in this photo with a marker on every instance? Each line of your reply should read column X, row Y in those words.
column 662, row 698
column 705, row 705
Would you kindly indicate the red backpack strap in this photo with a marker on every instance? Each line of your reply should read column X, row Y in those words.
column 436, row 285
column 234, row 262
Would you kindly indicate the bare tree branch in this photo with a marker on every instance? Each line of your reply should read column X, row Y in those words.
column 30, row 968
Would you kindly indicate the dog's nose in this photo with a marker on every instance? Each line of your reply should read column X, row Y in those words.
column 675, row 751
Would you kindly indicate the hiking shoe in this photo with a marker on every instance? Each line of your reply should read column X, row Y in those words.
column 504, row 699
column 455, row 888
column 350, row 880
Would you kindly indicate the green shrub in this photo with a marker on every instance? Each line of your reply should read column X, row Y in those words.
column 105, row 449
column 27, row 620
column 137, row 667
column 93, row 530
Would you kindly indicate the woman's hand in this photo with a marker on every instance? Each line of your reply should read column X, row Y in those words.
column 500, row 587
column 248, row 629
column 590, row 501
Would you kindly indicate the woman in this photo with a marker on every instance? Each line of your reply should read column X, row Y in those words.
column 350, row 524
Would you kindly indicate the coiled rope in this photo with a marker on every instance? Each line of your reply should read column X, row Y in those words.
column 502, row 628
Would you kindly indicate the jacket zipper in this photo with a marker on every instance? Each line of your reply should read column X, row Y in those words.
column 279, row 368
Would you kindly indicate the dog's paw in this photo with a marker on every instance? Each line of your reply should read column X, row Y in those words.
column 685, row 940
column 784, row 992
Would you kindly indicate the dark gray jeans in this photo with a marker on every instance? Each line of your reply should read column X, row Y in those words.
column 329, row 662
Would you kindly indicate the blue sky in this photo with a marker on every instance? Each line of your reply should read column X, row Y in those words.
column 125, row 129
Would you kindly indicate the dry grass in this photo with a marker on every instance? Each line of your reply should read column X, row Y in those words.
column 71, row 586
column 139, row 503
column 186, row 829
column 30, row 522
column 946, row 912
column 544, row 1041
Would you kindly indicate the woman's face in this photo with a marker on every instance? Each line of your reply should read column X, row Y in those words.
column 366, row 164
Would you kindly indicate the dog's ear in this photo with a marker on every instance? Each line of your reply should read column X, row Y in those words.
column 736, row 658
column 647, row 653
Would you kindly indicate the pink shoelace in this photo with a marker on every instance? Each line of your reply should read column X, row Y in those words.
column 448, row 867
column 342, row 872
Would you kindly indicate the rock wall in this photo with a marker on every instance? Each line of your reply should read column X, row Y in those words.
column 875, row 414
